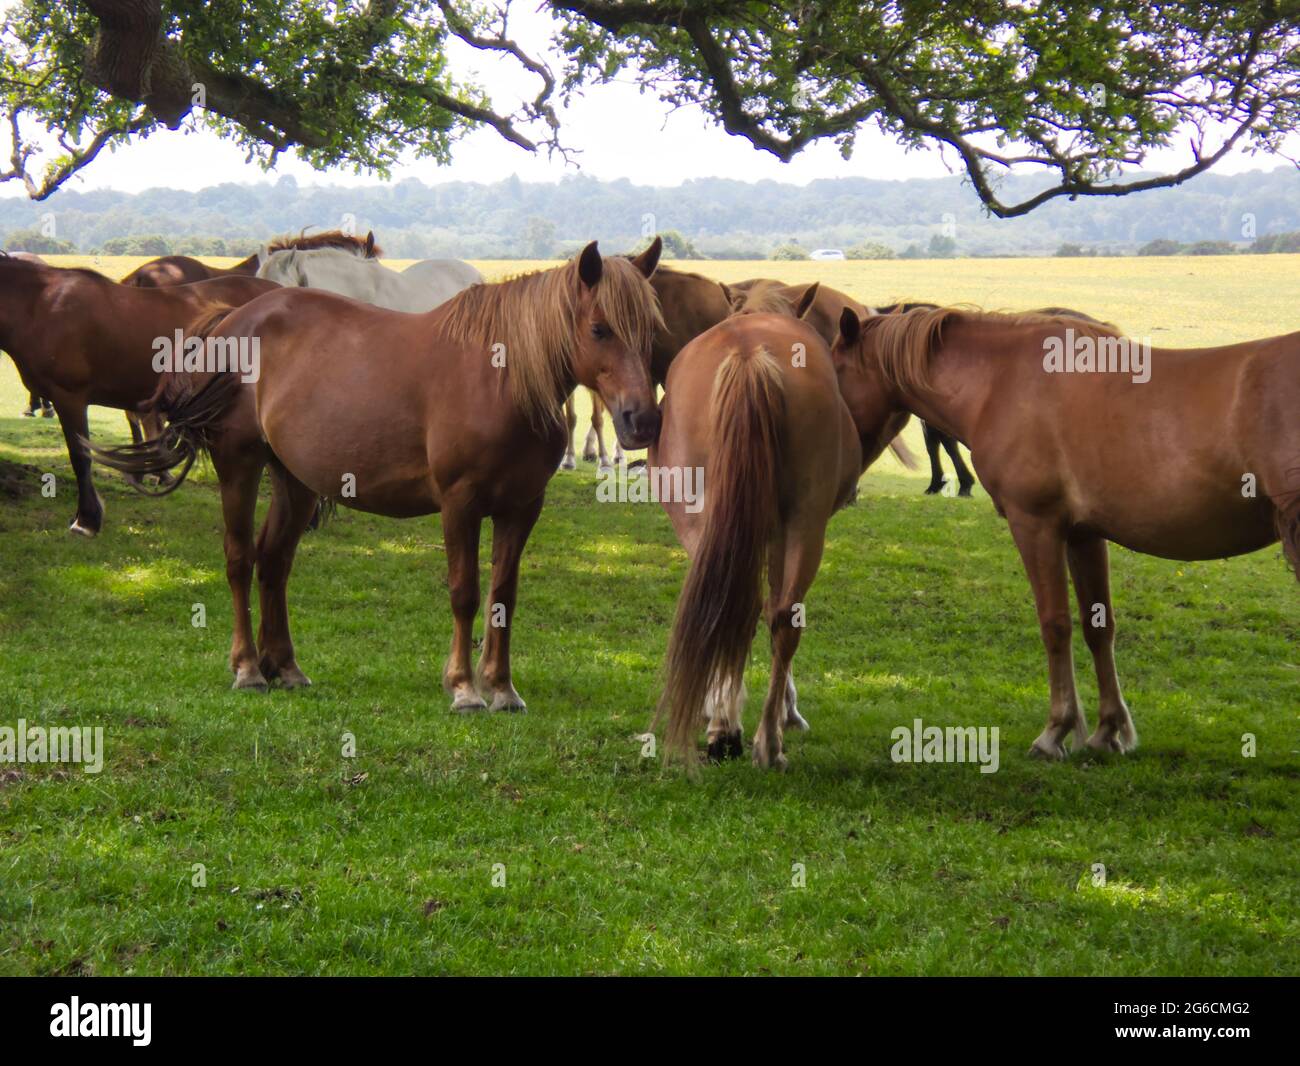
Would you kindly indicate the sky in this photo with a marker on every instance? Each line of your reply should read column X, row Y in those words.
column 619, row 132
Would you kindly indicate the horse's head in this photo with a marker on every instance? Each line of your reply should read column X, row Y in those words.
column 616, row 315
column 282, row 267
column 872, row 401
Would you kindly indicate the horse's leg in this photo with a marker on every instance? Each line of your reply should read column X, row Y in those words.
column 936, row 466
column 89, row 518
column 133, row 423
column 34, row 405
column 1090, row 567
column 292, row 507
column 804, row 543
column 1042, row 550
column 509, row 535
column 240, row 475
column 723, row 710
column 460, row 535
column 597, row 432
column 570, row 461
column 965, row 479
column 775, row 581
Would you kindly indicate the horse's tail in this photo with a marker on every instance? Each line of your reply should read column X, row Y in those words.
column 190, row 412
column 720, row 602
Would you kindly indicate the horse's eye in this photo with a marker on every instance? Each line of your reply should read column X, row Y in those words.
column 601, row 331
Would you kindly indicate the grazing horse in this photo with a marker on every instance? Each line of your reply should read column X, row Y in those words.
column 184, row 269
column 421, row 287
column 753, row 403
column 461, row 417
column 1082, row 436
column 691, row 303
column 80, row 339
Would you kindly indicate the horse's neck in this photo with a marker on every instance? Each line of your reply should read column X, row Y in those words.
column 963, row 373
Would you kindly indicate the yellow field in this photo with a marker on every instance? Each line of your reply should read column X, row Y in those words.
column 1179, row 301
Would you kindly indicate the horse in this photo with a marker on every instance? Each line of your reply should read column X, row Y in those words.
column 690, row 303
column 754, row 404
column 36, row 405
column 184, row 270
column 461, row 417
column 80, row 339
column 1082, row 436
column 421, row 287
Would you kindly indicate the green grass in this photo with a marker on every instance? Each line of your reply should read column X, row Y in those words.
column 384, row 863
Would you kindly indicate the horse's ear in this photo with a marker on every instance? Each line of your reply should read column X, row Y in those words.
column 806, row 301
column 370, row 244
column 648, row 260
column 850, row 326
column 590, row 266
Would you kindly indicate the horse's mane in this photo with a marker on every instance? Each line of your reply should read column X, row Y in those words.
column 904, row 342
column 330, row 238
column 763, row 298
column 533, row 317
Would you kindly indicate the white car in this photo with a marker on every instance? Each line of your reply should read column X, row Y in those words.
column 826, row 253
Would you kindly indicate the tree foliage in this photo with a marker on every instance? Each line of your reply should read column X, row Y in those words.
column 1078, row 91
column 346, row 82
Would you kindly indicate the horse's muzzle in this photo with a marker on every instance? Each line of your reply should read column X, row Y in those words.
column 637, row 427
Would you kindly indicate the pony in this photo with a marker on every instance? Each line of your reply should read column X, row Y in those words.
column 184, row 269
column 462, row 418
column 1082, row 436
column 79, row 338
column 691, row 303
column 421, row 287
column 753, row 403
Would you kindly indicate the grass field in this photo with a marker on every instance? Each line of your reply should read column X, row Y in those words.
column 393, row 861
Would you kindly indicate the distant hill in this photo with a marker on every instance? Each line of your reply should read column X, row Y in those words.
column 721, row 217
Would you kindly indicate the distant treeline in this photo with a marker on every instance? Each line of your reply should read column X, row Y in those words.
column 718, row 218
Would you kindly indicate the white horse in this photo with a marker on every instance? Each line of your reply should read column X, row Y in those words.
column 420, row 287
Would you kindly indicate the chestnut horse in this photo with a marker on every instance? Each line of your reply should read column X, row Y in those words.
column 690, row 303
column 80, row 339
column 461, row 417
column 184, row 270
column 1179, row 453
column 753, row 403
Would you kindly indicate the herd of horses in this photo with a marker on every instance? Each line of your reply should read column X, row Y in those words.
column 433, row 391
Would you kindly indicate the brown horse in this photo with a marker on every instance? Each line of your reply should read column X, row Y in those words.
column 462, row 418
column 80, row 339
column 1082, row 436
column 753, row 403
column 184, row 270
column 690, row 303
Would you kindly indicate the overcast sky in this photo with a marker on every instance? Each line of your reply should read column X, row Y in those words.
column 620, row 133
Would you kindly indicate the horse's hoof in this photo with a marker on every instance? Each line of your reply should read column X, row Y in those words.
column 292, row 677
column 964, row 490
column 467, row 703
column 932, row 490
column 795, row 720
column 29, row 414
column 508, row 700
column 770, row 762
column 250, row 679
column 47, row 412
column 726, row 746
column 1112, row 742
column 568, row 464
column 82, row 530
column 588, row 457
column 1047, row 747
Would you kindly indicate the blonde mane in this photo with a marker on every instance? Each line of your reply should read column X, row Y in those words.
column 763, row 298
column 904, row 342
column 534, row 317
